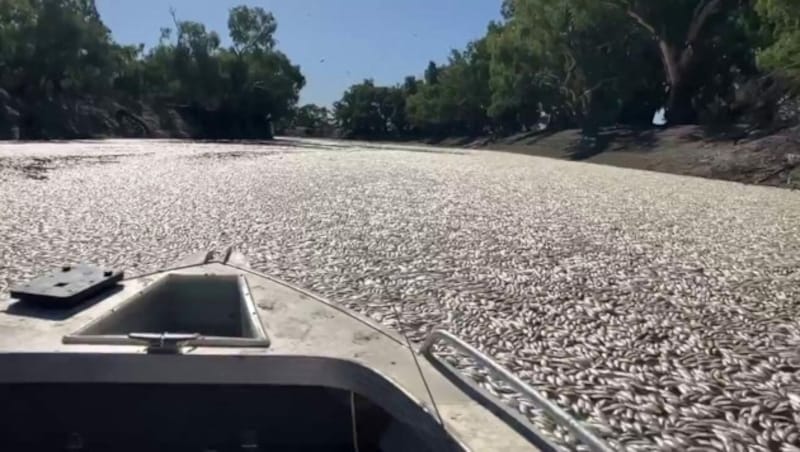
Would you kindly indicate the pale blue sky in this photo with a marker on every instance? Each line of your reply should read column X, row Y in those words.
column 336, row 42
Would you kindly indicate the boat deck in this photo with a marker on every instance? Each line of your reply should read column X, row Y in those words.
column 311, row 341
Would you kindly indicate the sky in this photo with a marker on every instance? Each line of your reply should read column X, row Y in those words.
column 336, row 42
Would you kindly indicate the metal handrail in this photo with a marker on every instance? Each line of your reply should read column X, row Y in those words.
column 556, row 413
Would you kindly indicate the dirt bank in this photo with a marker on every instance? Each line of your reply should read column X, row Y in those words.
column 689, row 150
column 64, row 118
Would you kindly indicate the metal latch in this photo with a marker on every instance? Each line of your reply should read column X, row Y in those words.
column 164, row 343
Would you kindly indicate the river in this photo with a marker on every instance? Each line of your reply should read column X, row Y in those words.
column 656, row 306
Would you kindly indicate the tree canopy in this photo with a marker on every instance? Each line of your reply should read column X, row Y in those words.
column 545, row 64
column 781, row 20
column 589, row 64
column 59, row 51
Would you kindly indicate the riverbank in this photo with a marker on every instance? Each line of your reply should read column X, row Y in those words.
column 772, row 160
column 66, row 118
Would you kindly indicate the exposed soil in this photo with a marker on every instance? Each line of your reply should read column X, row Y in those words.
column 688, row 150
column 734, row 155
column 69, row 118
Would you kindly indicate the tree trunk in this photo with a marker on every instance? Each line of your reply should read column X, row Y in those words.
column 672, row 69
column 678, row 106
column 678, row 63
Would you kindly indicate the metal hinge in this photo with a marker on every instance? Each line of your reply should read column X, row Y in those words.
column 164, row 343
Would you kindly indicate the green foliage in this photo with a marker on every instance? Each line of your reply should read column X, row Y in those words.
column 245, row 86
column 703, row 46
column 589, row 64
column 60, row 49
column 369, row 111
column 553, row 63
column 562, row 60
column 782, row 25
column 50, row 47
column 454, row 101
column 308, row 120
column 252, row 29
column 312, row 116
column 432, row 73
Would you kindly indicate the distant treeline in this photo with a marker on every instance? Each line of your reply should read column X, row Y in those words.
column 547, row 63
column 592, row 63
column 63, row 75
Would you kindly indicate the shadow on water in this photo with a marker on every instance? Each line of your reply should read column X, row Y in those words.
column 613, row 139
column 291, row 145
column 38, row 168
column 247, row 142
column 299, row 143
column 430, row 151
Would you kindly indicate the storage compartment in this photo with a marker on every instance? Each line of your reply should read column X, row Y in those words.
column 128, row 402
column 196, row 418
column 218, row 308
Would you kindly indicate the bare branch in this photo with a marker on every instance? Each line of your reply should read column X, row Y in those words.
column 628, row 8
column 572, row 65
column 702, row 13
column 175, row 20
column 598, row 85
column 633, row 14
column 698, row 8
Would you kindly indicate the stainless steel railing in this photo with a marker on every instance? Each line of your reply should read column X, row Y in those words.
column 549, row 408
